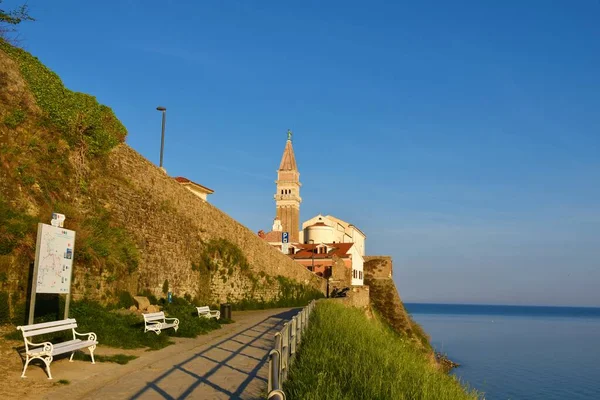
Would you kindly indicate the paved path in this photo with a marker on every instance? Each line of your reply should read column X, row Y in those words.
column 230, row 363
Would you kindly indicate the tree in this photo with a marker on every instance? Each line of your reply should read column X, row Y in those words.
column 10, row 19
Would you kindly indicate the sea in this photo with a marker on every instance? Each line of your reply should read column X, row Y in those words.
column 518, row 352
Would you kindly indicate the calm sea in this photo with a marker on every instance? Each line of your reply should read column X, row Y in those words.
column 511, row 352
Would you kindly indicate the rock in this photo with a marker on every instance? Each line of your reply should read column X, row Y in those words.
column 142, row 302
column 133, row 308
column 152, row 309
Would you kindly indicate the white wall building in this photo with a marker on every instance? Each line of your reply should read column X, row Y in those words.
column 329, row 229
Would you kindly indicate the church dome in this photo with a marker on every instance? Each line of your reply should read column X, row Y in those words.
column 318, row 232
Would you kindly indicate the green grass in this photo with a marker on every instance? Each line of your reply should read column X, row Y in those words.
column 344, row 355
column 121, row 359
column 63, row 382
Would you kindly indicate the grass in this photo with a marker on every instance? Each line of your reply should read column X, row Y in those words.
column 346, row 356
column 63, row 382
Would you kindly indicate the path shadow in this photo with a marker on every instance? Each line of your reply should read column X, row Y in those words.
column 256, row 338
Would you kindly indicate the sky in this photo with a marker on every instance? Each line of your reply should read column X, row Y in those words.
column 462, row 137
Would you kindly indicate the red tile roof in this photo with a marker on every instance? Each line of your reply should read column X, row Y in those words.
column 272, row 237
column 307, row 251
column 183, row 180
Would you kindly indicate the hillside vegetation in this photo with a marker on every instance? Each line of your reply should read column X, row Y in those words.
column 138, row 231
column 345, row 356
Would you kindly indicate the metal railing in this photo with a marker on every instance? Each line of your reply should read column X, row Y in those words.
column 284, row 351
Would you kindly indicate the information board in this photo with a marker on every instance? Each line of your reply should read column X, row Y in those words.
column 54, row 259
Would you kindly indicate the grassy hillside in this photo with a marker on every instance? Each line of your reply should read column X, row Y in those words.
column 137, row 230
column 344, row 355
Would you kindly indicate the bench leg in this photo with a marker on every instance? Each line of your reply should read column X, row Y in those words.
column 47, row 361
column 25, row 367
column 71, row 358
column 91, row 349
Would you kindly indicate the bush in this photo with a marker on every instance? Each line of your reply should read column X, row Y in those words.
column 291, row 294
column 113, row 329
column 190, row 325
column 126, row 300
column 344, row 355
column 4, row 309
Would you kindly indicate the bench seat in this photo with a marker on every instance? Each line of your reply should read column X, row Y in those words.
column 206, row 312
column 157, row 322
column 46, row 351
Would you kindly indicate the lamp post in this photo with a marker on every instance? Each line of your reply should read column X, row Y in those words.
column 313, row 255
column 162, row 137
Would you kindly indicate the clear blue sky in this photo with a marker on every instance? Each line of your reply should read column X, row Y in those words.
column 462, row 138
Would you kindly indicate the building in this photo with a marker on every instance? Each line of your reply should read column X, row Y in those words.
column 329, row 229
column 340, row 262
column 196, row 188
column 287, row 198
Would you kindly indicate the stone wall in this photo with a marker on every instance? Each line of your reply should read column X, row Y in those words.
column 170, row 226
column 357, row 296
column 378, row 267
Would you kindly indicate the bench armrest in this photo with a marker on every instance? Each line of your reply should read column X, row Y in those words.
column 175, row 320
column 91, row 335
column 48, row 347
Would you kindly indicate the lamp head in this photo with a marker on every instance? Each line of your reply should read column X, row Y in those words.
column 159, row 108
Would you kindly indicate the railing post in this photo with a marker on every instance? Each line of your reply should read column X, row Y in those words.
column 285, row 351
column 300, row 325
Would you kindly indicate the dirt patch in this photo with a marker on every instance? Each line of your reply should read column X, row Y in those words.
column 37, row 383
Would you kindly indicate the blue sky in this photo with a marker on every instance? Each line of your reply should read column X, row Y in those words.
column 463, row 138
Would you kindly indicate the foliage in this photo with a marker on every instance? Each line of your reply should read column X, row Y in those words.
column 222, row 251
column 10, row 19
column 115, row 329
column 82, row 121
column 151, row 298
column 126, row 299
column 4, row 310
column 344, row 355
column 15, row 118
column 291, row 294
column 190, row 325
column 108, row 243
column 14, row 226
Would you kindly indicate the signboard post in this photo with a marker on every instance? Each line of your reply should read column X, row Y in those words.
column 53, row 268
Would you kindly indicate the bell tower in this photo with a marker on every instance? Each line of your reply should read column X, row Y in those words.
column 287, row 197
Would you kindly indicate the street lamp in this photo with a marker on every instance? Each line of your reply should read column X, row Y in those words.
column 162, row 137
column 313, row 255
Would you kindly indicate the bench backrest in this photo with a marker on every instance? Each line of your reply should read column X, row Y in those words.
column 47, row 327
column 203, row 309
column 154, row 316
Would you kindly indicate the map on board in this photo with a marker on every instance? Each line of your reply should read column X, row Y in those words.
column 54, row 259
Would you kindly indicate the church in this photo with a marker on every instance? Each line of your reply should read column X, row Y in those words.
column 326, row 245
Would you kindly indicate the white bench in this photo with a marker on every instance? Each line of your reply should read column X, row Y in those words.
column 46, row 351
column 206, row 312
column 156, row 322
